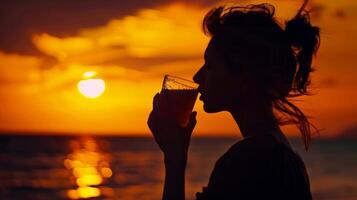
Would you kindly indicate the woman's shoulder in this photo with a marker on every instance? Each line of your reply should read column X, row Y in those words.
column 257, row 164
column 245, row 154
column 253, row 148
column 263, row 151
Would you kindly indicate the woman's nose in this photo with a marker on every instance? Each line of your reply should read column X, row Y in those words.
column 198, row 77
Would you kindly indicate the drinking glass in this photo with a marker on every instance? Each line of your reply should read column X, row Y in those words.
column 181, row 95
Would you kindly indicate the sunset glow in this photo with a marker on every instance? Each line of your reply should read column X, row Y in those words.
column 105, row 74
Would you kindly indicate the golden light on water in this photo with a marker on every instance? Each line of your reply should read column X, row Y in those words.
column 91, row 87
column 84, row 192
column 89, row 167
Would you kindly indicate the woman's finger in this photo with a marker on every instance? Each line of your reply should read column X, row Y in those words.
column 155, row 103
column 154, row 122
column 151, row 122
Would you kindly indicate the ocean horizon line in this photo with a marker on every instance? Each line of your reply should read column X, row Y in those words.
column 12, row 133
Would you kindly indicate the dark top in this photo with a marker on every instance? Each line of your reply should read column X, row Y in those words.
column 258, row 168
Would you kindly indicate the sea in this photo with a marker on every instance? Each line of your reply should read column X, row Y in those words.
column 131, row 168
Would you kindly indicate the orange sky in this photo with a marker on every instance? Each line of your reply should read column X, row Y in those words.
column 131, row 53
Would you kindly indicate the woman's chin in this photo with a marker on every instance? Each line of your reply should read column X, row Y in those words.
column 209, row 108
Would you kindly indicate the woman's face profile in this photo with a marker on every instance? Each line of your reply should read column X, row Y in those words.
column 220, row 88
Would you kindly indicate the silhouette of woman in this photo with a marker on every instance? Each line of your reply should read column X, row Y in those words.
column 252, row 66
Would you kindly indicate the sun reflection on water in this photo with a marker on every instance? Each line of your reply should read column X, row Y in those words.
column 90, row 167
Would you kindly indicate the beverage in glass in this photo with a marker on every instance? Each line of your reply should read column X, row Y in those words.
column 180, row 95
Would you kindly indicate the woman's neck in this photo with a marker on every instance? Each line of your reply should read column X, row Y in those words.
column 257, row 120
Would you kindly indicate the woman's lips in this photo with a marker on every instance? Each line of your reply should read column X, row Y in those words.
column 201, row 97
column 200, row 91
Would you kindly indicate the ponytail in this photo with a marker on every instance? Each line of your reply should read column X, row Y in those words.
column 305, row 38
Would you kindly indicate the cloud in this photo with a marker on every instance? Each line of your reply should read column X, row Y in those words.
column 73, row 73
column 62, row 48
column 165, row 39
column 15, row 68
column 171, row 32
column 20, row 19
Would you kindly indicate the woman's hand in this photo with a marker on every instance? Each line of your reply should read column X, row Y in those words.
column 172, row 139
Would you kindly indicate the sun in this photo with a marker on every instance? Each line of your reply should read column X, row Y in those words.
column 91, row 87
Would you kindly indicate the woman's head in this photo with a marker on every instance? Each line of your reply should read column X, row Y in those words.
column 251, row 59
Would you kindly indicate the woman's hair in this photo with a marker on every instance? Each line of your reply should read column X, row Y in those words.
column 249, row 37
